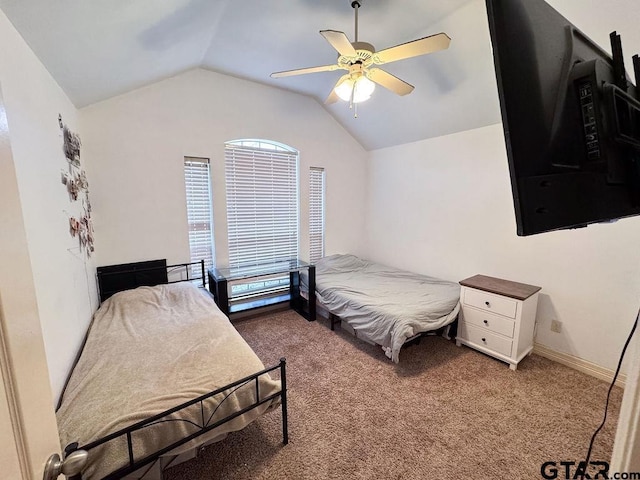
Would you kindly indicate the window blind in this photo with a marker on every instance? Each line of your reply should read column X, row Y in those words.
column 198, row 189
column 262, row 204
column 316, row 213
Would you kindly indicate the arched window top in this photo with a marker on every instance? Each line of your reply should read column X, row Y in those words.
column 261, row 145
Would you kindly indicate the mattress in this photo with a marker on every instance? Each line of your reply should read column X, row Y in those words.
column 149, row 350
column 384, row 305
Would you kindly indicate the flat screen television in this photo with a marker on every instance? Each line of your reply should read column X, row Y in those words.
column 571, row 119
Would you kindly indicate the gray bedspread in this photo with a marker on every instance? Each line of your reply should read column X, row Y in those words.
column 148, row 350
column 382, row 304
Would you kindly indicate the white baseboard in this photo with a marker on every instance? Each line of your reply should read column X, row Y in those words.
column 580, row 365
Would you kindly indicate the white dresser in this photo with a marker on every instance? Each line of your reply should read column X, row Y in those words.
column 498, row 317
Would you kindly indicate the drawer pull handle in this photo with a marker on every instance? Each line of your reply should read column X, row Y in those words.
column 487, row 304
column 484, row 340
column 486, row 322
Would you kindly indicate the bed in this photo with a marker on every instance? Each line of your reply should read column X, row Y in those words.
column 384, row 305
column 161, row 374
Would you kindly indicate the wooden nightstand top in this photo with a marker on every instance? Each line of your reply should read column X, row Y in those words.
column 519, row 291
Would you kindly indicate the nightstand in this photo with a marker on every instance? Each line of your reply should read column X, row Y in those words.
column 498, row 317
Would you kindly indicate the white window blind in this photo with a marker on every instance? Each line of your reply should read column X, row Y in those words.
column 262, row 202
column 198, row 187
column 316, row 213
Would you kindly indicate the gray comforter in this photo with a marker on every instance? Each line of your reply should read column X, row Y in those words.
column 382, row 304
column 148, row 350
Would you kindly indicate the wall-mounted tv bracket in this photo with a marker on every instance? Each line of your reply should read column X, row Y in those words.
column 619, row 75
column 625, row 108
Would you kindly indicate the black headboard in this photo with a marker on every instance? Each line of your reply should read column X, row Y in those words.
column 115, row 278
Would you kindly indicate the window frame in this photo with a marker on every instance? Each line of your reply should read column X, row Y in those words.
column 255, row 170
column 317, row 213
column 199, row 206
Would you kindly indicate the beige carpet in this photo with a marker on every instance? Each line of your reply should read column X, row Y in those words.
column 443, row 413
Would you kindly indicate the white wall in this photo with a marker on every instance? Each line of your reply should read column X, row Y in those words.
column 64, row 285
column 137, row 143
column 443, row 207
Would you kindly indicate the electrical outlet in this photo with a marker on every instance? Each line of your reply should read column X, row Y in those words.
column 556, row 326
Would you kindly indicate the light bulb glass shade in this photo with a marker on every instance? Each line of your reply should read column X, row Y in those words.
column 343, row 90
column 361, row 87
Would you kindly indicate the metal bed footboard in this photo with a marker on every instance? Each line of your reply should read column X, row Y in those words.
column 204, row 427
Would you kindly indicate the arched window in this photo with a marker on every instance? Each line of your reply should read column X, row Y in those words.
column 262, row 201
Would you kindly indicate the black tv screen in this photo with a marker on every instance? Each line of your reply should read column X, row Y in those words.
column 571, row 119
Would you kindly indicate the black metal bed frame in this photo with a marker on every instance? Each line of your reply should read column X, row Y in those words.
column 415, row 340
column 203, row 427
column 444, row 331
column 139, row 274
column 112, row 279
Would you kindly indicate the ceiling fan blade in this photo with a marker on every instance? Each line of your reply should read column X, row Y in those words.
column 414, row 48
column 339, row 41
column 389, row 81
column 302, row 71
column 333, row 96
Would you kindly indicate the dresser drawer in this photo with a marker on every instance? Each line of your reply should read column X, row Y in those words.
column 495, row 323
column 484, row 338
column 490, row 303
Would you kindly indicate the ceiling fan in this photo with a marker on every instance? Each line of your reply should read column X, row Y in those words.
column 359, row 59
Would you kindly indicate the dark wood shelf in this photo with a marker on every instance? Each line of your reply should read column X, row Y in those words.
column 519, row 291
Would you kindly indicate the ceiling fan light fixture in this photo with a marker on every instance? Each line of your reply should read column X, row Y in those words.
column 361, row 88
column 360, row 60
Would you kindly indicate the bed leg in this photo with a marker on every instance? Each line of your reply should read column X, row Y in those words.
column 334, row 319
column 283, row 398
column 445, row 334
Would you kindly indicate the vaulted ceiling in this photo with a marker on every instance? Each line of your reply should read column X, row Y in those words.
column 97, row 49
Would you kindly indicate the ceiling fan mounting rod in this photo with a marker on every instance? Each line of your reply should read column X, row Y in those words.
column 356, row 4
